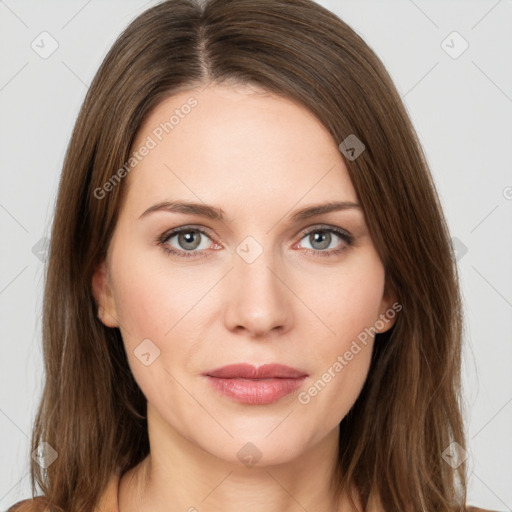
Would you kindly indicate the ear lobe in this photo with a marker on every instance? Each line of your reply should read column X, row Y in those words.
column 102, row 292
column 388, row 312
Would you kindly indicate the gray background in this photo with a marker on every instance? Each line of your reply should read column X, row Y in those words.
column 461, row 108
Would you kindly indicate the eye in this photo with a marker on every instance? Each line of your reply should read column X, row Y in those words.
column 191, row 241
column 324, row 240
column 186, row 241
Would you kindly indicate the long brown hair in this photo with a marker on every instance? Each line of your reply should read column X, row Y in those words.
column 409, row 411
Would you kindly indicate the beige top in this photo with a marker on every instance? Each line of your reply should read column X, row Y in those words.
column 108, row 501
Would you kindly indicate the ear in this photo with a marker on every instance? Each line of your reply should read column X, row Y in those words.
column 389, row 308
column 102, row 292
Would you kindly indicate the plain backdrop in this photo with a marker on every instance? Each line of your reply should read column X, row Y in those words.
column 451, row 62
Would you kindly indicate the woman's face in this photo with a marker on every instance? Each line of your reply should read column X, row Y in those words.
column 248, row 280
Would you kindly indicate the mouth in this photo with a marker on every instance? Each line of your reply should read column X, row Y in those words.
column 262, row 385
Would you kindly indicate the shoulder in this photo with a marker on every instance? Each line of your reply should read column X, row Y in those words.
column 106, row 503
column 31, row 505
column 109, row 502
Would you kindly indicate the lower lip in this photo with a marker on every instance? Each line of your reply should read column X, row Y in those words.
column 256, row 392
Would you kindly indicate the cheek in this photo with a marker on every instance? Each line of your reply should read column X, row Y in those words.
column 152, row 312
column 163, row 306
column 350, row 306
column 151, row 301
column 143, row 310
column 350, row 299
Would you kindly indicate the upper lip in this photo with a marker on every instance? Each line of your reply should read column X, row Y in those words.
column 248, row 371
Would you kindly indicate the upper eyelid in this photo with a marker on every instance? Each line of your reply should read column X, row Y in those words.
column 319, row 227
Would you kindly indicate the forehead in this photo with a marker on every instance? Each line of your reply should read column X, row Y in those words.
column 236, row 142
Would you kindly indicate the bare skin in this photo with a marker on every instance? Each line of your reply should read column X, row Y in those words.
column 259, row 158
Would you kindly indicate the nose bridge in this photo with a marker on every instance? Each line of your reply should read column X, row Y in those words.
column 257, row 297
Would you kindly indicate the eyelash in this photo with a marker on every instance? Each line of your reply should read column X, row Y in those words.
column 165, row 237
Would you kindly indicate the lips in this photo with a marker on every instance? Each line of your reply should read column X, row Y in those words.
column 247, row 384
column 247, row 371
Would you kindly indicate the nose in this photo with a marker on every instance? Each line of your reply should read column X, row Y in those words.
column 258, row 300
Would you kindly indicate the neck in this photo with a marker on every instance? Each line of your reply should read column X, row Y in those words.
column 178, row 475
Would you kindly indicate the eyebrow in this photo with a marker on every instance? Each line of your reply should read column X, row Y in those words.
column 216, row 213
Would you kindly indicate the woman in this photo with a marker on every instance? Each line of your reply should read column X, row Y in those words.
column 251, row 300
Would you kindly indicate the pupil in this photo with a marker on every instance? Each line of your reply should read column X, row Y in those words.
column 186, row 240
column 324, row 237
